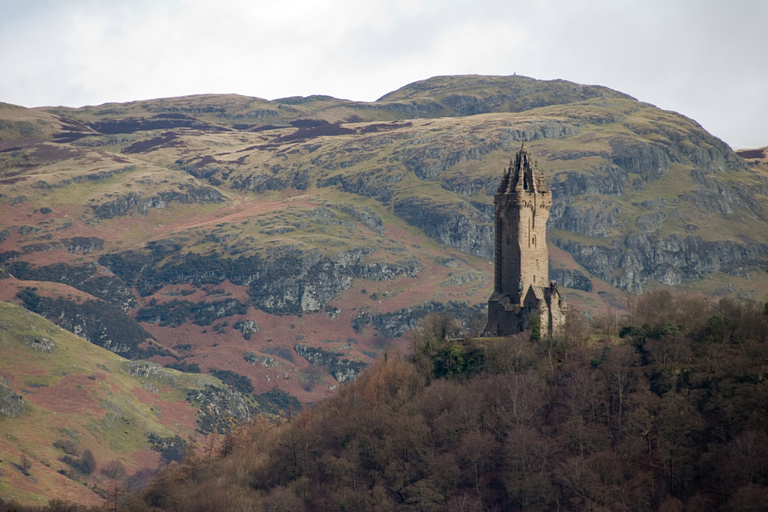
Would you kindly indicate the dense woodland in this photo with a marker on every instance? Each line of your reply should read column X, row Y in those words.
column 669, row 413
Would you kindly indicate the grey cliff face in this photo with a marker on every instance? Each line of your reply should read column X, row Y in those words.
column 123, row 204
column 670, row 260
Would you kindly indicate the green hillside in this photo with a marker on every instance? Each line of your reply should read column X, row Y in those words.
column 61, row 396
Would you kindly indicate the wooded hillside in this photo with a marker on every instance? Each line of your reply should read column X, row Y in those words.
column 670, row 416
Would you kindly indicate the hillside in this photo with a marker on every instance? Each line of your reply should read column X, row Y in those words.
column 287, row 243
column 61, row 397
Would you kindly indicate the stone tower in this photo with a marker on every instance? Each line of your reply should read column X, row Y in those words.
column 521, row 289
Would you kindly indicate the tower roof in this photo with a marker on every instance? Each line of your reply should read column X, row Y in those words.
column 523, row 165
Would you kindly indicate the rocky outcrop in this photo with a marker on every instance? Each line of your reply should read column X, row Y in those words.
column 650, row 222
column 12, row 404
column 715, row 196
column 595, row 220
column 364, row 215
column 605, row 179
column 98, row 322
column 287, row 281
column 397, row 323
column 670, row 260
column 430, row 161
column 110, row 289
column 637, row 156
column 569, row 278
column 151, row 371
column 292, row 285
column 221, row 409
column 247, row 327
column 470, row 186
column 341, row 369
column 411, row 109
column 177, row 312
column 378, row 183
column 261, row 183
column 187, row 194
column 84, row 244
column 457, row 225
column 381, row 271
column 265, row 361
column 39, row 344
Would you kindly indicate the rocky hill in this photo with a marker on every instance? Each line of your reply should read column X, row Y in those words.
column 221, row 232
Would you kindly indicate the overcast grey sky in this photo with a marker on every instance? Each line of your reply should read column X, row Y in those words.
column 706, row 59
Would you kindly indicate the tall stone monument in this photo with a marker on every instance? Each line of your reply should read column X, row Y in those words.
column 521, row 287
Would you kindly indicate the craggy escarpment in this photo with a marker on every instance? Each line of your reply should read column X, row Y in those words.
column 286, row 281
column 110, row 289
column 606, row 179
column 83, row 244
column 458, row 225
column 397, row 323
column 595, row 220
column 259, row 183
column 178, row 312
column 100, row 323
column 187, row 194
column 670, row 260
column 568, row 278
column 379, row 183
column 364, row 215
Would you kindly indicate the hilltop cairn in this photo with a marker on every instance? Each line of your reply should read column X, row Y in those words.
column 522, row 290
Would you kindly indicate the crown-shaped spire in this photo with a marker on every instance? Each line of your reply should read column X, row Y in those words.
column 521, row 166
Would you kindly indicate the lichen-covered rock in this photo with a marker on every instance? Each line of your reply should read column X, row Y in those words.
column 12, row 404
column 247, row 327
column 346, row 370
column 40, row 344
column 148, row 370
column 221, row 409
column 265, row 361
